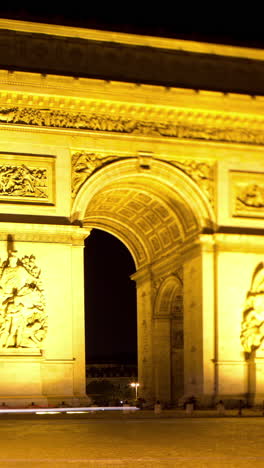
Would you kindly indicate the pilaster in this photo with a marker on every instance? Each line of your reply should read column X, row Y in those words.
column 143, row 279
column 55, row 367
column 199, row 319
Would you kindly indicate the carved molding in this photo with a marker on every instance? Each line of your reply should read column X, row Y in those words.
column 179, row 274
column 27, row 179
column 23, row 317
column 158, row 281
column 27, row 232
column 155, row 121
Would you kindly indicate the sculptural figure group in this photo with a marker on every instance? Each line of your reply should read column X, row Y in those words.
column 252, row 335
column 23, row 320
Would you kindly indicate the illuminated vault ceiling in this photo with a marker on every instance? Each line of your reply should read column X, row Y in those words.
column 151, row 224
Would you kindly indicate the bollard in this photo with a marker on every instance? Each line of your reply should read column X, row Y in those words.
column 189, row 408
column 240, row 408
column 220, row 408
column 125, row 405
column 157, row 407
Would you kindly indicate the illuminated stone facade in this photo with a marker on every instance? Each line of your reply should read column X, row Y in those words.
column 173, row 168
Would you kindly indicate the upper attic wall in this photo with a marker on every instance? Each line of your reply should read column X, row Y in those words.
column 78, row 52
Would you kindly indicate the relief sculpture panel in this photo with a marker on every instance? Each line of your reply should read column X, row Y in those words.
column 247, row 194
column 27, row 179
column 252, row 333
column 23, row 318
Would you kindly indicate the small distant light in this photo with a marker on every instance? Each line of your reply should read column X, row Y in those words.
column 47, row 412
column 135, row 385
column 121, row 401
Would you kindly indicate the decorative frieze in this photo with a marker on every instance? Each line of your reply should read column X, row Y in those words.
column 27, row 179
column 154, row 121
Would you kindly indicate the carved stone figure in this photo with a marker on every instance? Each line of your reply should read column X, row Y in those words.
column 83, row 165
column 252, row 196
column 23, row 319
column 252, row 335
column 201, row 172
column 22, row 181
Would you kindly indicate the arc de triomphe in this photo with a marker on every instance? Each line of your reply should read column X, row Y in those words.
column 160, row 143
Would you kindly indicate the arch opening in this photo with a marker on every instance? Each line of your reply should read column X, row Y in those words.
column 110, row 300
column 168, row 324
column 154, row 214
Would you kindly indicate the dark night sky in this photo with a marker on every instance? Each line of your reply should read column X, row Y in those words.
column 110, row 294
column 185, row 21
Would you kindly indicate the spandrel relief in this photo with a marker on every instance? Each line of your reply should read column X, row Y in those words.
column 84, row 164
column 252, row 334
column 23, row 318
column 27, row 179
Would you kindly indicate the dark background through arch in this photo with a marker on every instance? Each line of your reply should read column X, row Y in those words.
column 110, row 300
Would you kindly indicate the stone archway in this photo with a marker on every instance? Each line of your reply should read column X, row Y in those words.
column 168, row 338
column 157, row 211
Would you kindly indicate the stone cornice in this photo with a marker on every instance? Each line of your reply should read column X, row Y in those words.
column 34, row 89
column 134, row 39
column 217, row 242
column 130, row 58
column 238, row 243
column 74, row 235
column 148, row 120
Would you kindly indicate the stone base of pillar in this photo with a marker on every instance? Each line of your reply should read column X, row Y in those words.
column 255, row 396
column 27, row 379
column 231, row 400
column 22, row 402
column 202, row 401
column 38, row 401
column 71, row 401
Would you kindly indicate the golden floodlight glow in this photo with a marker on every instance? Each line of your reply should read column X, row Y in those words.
column 176, row 174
